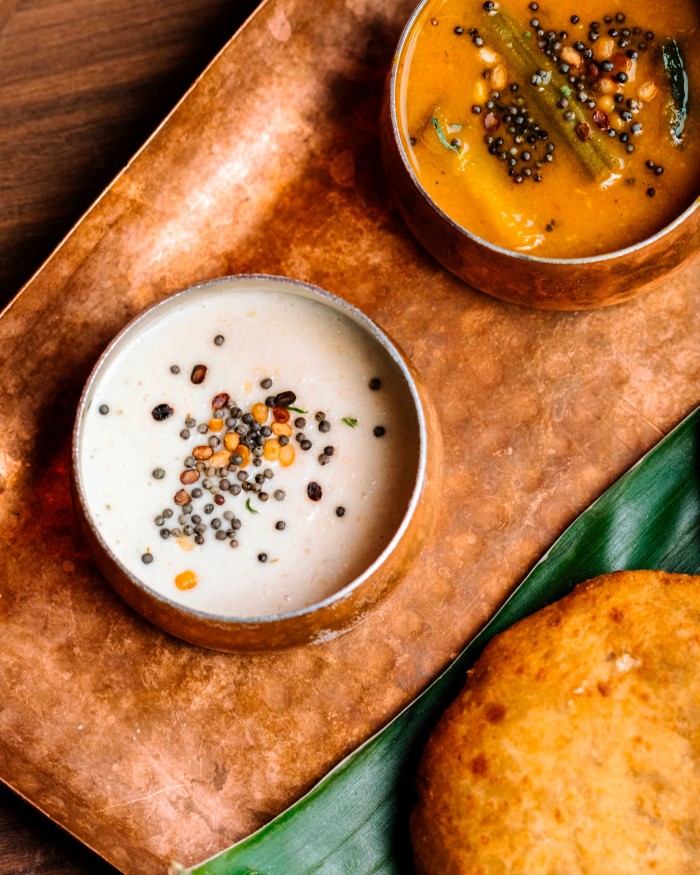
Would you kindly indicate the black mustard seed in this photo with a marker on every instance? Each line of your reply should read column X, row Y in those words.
column 284, row 399
column 161, row 412
column 314, row 491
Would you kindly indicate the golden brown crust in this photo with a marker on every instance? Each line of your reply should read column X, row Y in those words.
column 575, row 746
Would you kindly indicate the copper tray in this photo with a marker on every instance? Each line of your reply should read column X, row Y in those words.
column 151, row 750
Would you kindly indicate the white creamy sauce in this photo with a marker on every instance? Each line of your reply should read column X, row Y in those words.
column 305, row 347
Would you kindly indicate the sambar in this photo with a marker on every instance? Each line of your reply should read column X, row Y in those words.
column 558, row 131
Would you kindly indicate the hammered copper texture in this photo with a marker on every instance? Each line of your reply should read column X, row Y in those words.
column 149, row 749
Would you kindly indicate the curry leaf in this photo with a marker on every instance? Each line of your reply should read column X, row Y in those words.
column 441, row 135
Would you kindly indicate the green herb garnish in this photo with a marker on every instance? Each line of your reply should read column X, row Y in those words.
column 566, row 91
column 296, row 409
column 675, row 70
column 349, row 420
column 248, row 507
column 443, row 139
column 527, row 35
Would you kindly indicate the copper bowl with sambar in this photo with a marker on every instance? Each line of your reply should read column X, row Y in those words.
column 549, row 156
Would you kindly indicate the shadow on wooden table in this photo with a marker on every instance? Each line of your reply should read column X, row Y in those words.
column 82, row 84
column 31, row 845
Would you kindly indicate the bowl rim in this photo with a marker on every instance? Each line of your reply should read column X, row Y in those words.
column 399, row 54
column 289, row 286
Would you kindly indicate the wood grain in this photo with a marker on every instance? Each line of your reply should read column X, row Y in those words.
column 32, row 845
column 82, row 84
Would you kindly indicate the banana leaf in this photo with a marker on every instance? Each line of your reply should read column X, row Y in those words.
column 355, row 820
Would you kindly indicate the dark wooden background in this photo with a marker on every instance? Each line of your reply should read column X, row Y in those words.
column 82, row 84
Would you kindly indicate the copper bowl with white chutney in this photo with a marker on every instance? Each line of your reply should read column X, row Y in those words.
column 321, row 541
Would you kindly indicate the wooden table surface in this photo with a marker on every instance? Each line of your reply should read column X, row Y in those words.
column 82, row 85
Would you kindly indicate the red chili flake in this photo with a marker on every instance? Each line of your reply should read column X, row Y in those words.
column 220, row 400
column 190, row 475
column 491, row 122
column 314, row 491
column 601, row 120
column 281, row 414
column 623, row 63
column 199, row 372
column 181, row 497
column 583, row 131
column 593, row 71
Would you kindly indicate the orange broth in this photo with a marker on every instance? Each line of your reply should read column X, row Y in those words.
column 462, row 88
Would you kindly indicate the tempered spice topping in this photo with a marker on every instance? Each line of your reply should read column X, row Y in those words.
column 314, row 491
column 236, row 439
column 601, row 120
column 181, row 497
column 199, row 372
column 161, row 412
column 284, row 399
column 186, row 580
